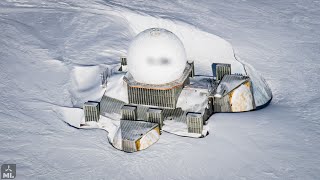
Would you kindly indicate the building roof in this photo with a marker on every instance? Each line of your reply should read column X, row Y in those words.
column 91, row 103
column 194, row 114
column 229, row 83
column 134, row 130
column 129, row 107
column 154, row 110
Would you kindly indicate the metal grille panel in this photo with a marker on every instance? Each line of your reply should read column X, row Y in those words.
column 129, row 146
column 154, row 97
column 129, row 112
column 91, row 111
column 220, row 69
column 155, row 115
column 195, row 122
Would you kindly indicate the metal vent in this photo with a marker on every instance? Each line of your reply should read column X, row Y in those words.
column 195, row 122
column 220, row 69
column 91, row 111
column 129, row 112
column 155, row 115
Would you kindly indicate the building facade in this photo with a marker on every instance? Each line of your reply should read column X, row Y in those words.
column 162, row 95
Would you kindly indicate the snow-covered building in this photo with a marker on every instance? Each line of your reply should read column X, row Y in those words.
column 157, row 89
column 157, row 69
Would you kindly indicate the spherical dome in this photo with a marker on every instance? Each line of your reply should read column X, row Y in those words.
column 156, row 56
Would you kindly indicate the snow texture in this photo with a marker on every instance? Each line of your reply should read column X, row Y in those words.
column 181, row 129
column 41, row 42
column 117, row 88
column 156, row 56
column 193, row 100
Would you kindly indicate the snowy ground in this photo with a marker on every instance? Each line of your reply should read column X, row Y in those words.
column 44, row 46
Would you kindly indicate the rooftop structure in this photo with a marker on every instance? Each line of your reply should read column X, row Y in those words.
column 156, row 56
column 91, row 111
column 195, row 122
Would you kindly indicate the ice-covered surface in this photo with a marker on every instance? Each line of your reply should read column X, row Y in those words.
column 193, row 99
column 156, row 56
column 117, row 88
column 42, row 41
column 85, row 85
column 261, row 90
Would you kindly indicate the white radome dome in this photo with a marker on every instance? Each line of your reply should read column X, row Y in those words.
column 156, row 56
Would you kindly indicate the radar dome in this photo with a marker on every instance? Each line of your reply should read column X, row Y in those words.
column 156, row 56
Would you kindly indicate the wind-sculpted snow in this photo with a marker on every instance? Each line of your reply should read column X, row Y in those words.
column 41, row 42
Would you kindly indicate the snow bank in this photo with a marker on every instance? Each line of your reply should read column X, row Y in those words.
column 117, row 88
column 156, row 56
column 85, row 84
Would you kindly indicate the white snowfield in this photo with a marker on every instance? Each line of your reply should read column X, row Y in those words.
column 51, row 53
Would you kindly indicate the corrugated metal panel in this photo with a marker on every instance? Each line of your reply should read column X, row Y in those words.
column 155, row 115
column 220, row 69
column 129, row 112
column 110, row 105
column 133, row 130
column 154, row 97
column 192, row 73
column 123, row 61
column 91, row 111
column 113, row 106
column 195, row 122
column 222, row 104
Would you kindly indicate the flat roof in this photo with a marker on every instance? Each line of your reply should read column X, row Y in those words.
column 154, row 110
column 194, row 114
column 129, row 107
column 91, row 103
column 178, row 82
column 200, row 82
